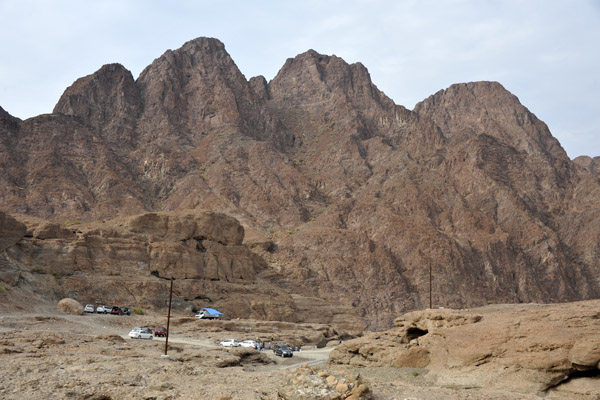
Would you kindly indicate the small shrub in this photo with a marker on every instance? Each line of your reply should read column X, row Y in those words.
column 68, row 223
column 57, row 275
column 138, row 310
column 2, row 288
column 415, row 373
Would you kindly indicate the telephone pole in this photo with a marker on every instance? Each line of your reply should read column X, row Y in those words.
column 430, row 281
column 168, row 318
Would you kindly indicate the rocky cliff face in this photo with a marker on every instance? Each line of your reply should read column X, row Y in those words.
column 131, row 261
column 346, row 196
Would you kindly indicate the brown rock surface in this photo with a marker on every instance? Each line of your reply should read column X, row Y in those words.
column 349, row 198
column 129, row 261
column 520, row 348
column 590, row 164
column 11, row 231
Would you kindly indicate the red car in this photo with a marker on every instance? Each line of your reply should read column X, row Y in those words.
column 116, row 311
column 158, row 332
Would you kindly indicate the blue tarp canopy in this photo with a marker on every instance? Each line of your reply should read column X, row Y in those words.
column 212, row 311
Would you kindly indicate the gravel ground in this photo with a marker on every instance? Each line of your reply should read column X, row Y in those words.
column 58, row 356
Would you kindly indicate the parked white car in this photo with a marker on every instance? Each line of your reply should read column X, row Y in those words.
column 249, row 343
column 89, row 308
column 140, row 333
column 102, row 309
column 229, row 343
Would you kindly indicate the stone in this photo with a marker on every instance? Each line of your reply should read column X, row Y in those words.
column 414, row 357
column 585, row 354
column 70, row 306
column 324, row 385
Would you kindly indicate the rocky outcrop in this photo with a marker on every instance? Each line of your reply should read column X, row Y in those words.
column 185, row 226
column 520, row 348
column 588, row 163
column 131, row 261
column 11, row 232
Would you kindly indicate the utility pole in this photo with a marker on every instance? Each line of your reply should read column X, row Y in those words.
column 430, row 280
column 168, row 318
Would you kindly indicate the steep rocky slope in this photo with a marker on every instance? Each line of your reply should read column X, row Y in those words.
column 346, row 196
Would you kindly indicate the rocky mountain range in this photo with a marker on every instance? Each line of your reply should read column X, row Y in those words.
column 346, row 200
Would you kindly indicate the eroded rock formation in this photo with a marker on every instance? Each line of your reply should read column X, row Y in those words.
column 552, row 349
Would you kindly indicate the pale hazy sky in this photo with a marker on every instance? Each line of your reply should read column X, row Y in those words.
column 546, row 52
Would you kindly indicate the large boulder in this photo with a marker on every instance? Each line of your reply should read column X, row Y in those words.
column 70, row 306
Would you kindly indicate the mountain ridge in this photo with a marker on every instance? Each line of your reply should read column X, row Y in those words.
column 346, row 195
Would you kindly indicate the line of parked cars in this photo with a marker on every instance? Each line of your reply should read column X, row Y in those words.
column 234, row 343
column 102, row 309
column 281, row 350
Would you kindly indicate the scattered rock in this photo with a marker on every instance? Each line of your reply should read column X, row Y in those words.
column 309, row 383
column 111, row 338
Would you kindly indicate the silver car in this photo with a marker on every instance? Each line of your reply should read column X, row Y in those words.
column 102, row 309
column 140, row 333
column 249, row 343
column 89, row 308
column 229, row 343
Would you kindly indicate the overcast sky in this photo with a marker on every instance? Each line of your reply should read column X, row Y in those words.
column 546, row 52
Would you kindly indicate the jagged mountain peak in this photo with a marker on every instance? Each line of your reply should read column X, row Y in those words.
column 467, row 109
column 7, row 121
column 196, row 88
column 108, row 96
column 199, row 56
column 4, row 113
column 311, row 77
column 464, row 95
